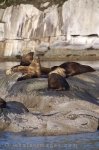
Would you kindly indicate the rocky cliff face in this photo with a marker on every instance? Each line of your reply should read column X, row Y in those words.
column 73, row 25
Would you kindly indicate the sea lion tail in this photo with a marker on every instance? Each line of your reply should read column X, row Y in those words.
column 85, row 68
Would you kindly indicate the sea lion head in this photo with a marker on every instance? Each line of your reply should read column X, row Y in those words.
column 60, row 71
column 26, row 59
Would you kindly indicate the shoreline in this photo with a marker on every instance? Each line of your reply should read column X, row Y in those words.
column 73, row 58
column 61, row 55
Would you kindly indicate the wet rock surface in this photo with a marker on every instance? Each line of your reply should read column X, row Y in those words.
column 52, row 112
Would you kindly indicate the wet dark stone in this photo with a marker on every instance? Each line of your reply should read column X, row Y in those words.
column 13, row 107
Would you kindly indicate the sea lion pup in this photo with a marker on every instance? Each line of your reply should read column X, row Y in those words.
column 74, row 68
column 56, row 79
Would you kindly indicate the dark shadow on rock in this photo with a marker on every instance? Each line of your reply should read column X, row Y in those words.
column 80, row 88
column 89, row 91
column 87, row 97
column 14, row 107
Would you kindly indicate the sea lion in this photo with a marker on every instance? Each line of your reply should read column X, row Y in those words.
column 31, row 71
column 45, row 71
column 74, row 68
column 56, row 79
column 26, row 59
column 27, row 67
column 33, row 68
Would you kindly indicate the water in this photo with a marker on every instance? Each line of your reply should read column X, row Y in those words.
column 23, row 141
column 12, row 141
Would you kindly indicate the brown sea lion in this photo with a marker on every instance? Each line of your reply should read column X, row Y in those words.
column 45, row 71
column 33, row 70
column 74, row 68
column 56, row 79
column 26, row 59
column 24, row 69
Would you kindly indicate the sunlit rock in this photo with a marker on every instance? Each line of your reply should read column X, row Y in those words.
column 77, row 22
column 1, row 31
column 1, row 13
column 12, row 47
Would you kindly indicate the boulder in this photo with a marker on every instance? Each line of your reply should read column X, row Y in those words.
column 51, row 112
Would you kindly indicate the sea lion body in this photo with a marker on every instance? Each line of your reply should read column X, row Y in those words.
column 45, row 71
column 56, row 80
column 33, row 70
column 25, row 59
column 74, row 68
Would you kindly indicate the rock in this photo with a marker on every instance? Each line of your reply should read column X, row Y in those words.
column 12, row 107
column 15, row 107
column 52, row 112
column 9, row 109
column 64, row 26
column 2, row 103
column 84, row 15
column 1, row 31
column 53, row 124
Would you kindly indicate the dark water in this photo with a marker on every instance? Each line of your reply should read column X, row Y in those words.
column 12, row 141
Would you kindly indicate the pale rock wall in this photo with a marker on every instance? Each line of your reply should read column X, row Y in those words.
column 24, row 28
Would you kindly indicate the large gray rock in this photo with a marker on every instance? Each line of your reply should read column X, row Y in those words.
column 83, row 17
column 52, row 112
column 26, row 28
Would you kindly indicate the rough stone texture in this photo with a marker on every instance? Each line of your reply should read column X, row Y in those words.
column 1, row 31
column 24, row 27
column 52, row 112
column 84, row 17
